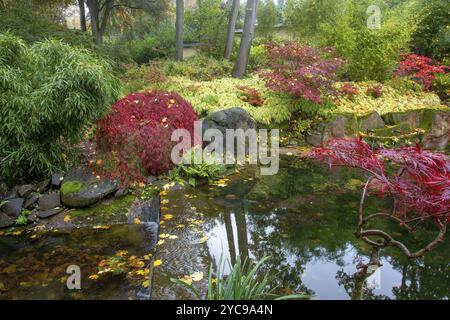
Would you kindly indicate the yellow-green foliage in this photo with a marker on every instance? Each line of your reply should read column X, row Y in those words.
column 219, row 94
column 391, row 100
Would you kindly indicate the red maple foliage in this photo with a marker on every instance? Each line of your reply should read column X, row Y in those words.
column 251, row 95
column 375, row 91
column 420, row 188
column 420, row 69
column 138, row 131
column 349, row 90
column 302, row 71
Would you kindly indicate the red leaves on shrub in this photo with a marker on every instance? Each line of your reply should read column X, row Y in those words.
column 251, row 96
column 375, row 91
column 302, row 71
column 138, row 130
column 349, row 90
column 420, row 186
column 420, row 69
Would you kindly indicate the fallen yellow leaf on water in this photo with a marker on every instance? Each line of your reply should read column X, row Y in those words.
column 204, row 239
column 161, row 222
column 140, row 272
column 121, row 253
column 160, row 242
column 173, row 237
column 33, row 236
column 165, row 201
column 164, row 235
column 137, row 221
column 180, row 226
column 93, row 277
column 168, row 185
column 146, row 283
column 197, row 276
column 167, row 216
column 147, row 256
column 163, row 193
column 157, row 263
column 101, row 227
column 66, row 218
column 186, row 279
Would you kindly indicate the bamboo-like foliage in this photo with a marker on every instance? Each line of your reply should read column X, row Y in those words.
column 49, row 93
column 244, row 282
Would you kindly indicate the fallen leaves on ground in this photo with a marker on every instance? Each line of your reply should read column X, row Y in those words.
column 157, row 263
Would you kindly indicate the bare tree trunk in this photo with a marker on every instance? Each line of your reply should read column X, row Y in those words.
column 231, row 28
column 240, row 66
column 83, row 25
column 179, row 29
column 99, row 18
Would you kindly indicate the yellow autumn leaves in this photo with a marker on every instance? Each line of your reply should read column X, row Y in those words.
column 188, row 279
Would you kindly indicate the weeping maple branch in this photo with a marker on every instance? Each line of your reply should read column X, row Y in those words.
column 420, row 188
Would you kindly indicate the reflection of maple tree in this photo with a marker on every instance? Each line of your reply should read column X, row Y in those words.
column 420, row 188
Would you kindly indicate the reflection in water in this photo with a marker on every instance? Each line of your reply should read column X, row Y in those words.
column 303, row 219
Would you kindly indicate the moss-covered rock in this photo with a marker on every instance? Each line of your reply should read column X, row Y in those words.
column 370, row 122
column 81, row 188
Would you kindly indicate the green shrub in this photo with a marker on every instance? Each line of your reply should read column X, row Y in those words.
column 31, row 24
column 258, row 58
column 49, row 92
column 206, row 23
column 371, row 54
column 208, row 170
column 199, row 67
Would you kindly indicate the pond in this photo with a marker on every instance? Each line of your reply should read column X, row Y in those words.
column 303, row 219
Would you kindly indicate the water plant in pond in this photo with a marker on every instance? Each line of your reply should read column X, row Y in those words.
column 419, row 188
column 243, row 282
column 206, row 169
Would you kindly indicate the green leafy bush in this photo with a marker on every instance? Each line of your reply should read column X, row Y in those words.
column 208, row 170
column 199, row 67
column 371, row 54
column 49, row 92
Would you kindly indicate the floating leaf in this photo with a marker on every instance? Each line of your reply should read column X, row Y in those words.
column 137, row 221
column 157, row 263
column 67, row 218
column 93, row 277
column 146, row 283
column 197, row 276
column 167, row 216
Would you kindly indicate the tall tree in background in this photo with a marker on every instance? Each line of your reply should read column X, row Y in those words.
column 179, row 30
column 231, row 28
column 267, row 15
column 83, row 26
column 240, row 66
column 102, row 10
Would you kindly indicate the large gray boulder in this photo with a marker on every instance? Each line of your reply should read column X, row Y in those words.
column 232, row 118
column 81, row 188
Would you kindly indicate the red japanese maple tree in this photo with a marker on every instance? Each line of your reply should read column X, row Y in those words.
column 419, row 68
column 138, row 131
column 302, row 71
column 420, row 188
